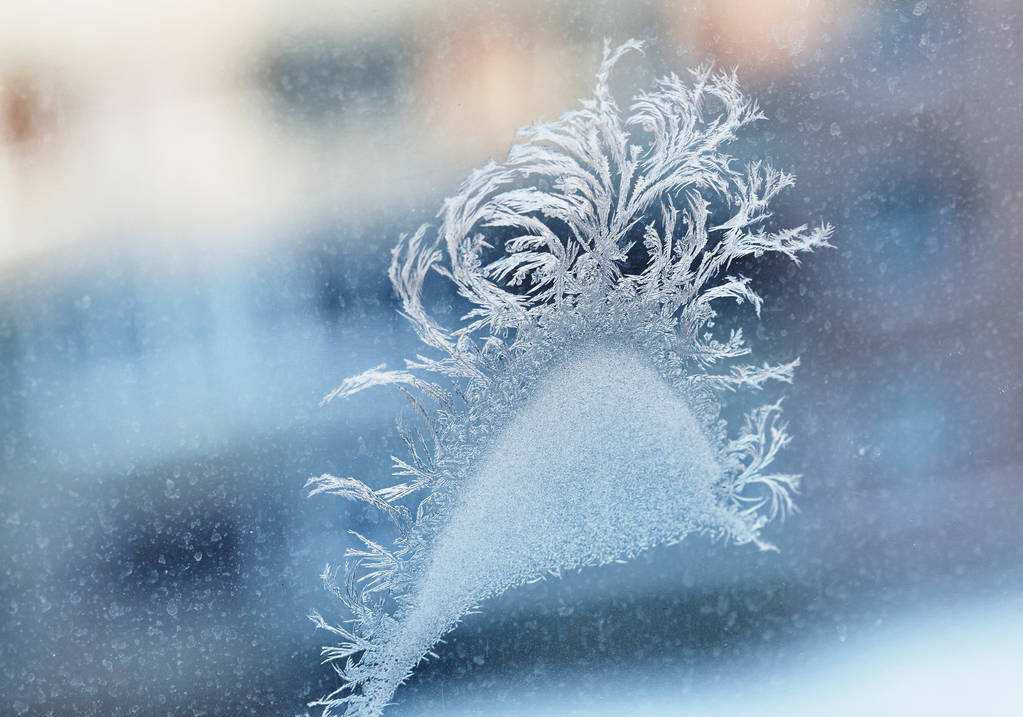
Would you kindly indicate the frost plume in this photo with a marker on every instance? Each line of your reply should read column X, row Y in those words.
column 572, row 418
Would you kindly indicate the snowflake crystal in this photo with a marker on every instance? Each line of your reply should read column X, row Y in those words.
column 574, row 417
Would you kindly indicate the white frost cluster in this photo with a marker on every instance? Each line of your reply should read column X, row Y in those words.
column 572, row 419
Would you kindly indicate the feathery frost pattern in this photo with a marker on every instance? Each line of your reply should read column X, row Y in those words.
column 573, row 417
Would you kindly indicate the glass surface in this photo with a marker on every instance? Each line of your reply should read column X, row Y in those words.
column 197, row 207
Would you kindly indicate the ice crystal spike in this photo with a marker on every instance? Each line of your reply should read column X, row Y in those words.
column 573, row 417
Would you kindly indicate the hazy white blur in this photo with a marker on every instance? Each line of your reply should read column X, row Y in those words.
column 237, row 122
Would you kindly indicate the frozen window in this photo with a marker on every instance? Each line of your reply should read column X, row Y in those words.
column 198, row 208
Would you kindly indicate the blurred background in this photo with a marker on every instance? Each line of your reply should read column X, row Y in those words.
column 197, row 203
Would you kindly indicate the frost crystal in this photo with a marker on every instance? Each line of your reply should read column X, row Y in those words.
column 573, row 418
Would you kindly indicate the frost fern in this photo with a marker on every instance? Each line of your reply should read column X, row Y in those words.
column 560, row 306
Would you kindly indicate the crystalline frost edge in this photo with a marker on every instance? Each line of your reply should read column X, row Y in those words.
column 575, row 196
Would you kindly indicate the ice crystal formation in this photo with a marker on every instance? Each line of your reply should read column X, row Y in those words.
column 573, row 417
